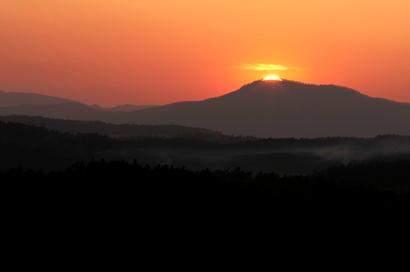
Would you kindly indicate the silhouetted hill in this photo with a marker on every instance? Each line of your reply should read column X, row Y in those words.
column 112, row 130
column 130, row 108
column 11, row 99
column 286, row 109
column 53, row 107
column 69, row 111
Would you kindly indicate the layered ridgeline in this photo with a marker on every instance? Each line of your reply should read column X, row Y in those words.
column 36, row 147
column 11, row 99
column 112, row 130
column 31, row 104
column 262, row 109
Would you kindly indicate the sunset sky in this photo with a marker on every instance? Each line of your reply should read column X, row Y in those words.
column 111, row 52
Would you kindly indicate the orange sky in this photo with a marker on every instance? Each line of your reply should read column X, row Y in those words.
column 158, row 51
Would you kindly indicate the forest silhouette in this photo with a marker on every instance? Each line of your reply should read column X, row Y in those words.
column 356, row 188
column 45, row 165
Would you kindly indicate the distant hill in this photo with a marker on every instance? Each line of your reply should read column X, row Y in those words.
column 286, row 109
column 11, row 99
column 53, row 107
column 112, row 130
column 31, row 104
column 130, row 108
column 69, row 111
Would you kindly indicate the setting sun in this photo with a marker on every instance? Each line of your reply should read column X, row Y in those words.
column 272, row 78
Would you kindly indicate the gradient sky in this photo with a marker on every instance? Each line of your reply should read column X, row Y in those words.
column 158, row 51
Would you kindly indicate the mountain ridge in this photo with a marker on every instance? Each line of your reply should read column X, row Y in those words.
column 112, row 130
column 286, row 109
column 9, row 99
column 278, row 109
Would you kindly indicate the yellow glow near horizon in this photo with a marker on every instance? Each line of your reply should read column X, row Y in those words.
column 265, row 67
column 272, row 78
column 200, row 49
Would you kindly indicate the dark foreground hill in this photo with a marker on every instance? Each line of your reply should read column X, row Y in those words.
column 39, row 148
column 85, row 173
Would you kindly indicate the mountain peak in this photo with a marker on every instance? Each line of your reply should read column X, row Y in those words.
column 284, row 83
column 290, row 86
column 278, row 84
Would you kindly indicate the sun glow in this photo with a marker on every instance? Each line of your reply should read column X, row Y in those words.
column 272, row 78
